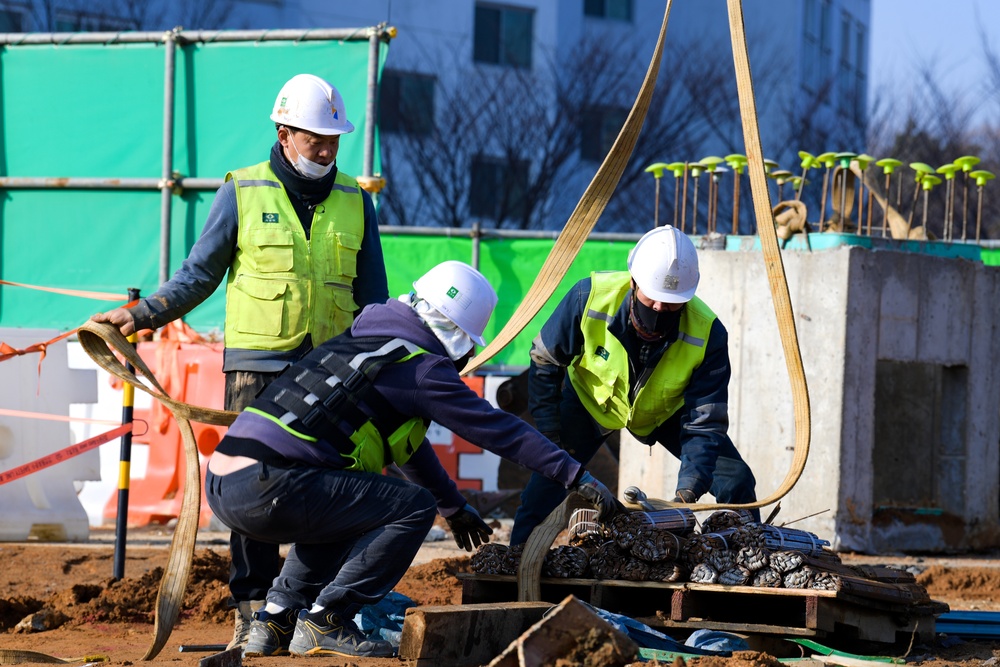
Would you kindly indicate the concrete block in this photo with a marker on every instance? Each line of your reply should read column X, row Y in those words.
column 43, row 504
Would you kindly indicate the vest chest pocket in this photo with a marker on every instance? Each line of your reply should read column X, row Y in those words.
column 261, row 305
column 272, row 250
column 343, row 248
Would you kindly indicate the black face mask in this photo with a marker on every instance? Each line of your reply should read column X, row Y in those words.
column 651, row 324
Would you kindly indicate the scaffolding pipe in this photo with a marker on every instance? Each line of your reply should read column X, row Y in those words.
column 475, row 232
column 368, row 161
column 186, row 36
column 477, row 235
column 166, row 174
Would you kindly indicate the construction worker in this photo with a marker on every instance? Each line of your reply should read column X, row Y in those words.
column 302, row 464
column 637, row 350
column 299, row 240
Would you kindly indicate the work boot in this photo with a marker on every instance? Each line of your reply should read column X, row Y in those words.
column 327, row 633
column 244, row 617
column 270, row 633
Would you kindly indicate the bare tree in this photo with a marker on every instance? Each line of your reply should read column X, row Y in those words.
column 107, row 15
column 517, row 117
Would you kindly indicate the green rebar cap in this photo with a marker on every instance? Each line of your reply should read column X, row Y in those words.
column 769, row 165
column 737, row 161
column 864, row 160
column 967, row 162
column 845, row 158
column 696, row 168
column 826, row 159
column 808, row 159
column 981, row 176
column 888, row 164
column 929, row 181
column 780, row 175
column 922, row 169
column 711, row 162
column 796, row 181
column 677, row 168
column 657, row 168
column 948, row 170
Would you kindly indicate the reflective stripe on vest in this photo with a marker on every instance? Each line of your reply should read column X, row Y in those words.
column 331, row 396
column 600, row 374
column 282, row 285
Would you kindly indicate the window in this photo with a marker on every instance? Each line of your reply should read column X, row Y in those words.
column 825, row 42
column 620, row 10
column 11, row 21
column 598, row 130
column 406, row 103
column 845, row 72
column 860, row 75
column 498, row 188
column 810, row 48
column 503, row 36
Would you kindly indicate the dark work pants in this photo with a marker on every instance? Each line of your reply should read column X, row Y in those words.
column 254, row 565
column 353, row 534
column 581, row 437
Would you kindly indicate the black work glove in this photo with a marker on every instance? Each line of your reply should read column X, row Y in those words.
column 684, row 496
column 469, row 528
column 598, row 495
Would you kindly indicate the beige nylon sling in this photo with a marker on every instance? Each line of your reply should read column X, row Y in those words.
column 538, row 544
column 584, row 216
column 98, row 340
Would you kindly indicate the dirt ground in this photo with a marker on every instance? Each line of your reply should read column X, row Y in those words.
column 70, row 588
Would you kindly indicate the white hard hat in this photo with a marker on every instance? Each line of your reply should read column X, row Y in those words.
column 307, row 102
column 664, row 264
column 461, row 294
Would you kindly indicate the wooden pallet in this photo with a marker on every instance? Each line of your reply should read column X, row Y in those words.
column 744, row 609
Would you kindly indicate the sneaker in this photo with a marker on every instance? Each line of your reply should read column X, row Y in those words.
column 270, row 633
column 244, row 617
column 326, row 633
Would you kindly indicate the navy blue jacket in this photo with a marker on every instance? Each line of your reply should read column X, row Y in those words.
column 704, row 418
column 429, row 387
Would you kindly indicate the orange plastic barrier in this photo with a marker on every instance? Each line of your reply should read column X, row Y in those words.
column 191, row 372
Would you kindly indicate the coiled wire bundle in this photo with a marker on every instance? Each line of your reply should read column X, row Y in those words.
column 489, row 558
column 566, row 562
column 722, row 519
column 512, row 559
column 607, row 561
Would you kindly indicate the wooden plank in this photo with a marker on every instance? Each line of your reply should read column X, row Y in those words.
column 559, row 635
column 465, row 634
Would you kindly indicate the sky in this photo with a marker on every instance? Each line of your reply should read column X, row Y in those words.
column 906, row 34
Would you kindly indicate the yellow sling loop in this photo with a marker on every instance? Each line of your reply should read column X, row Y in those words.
column 541, row 538
column 95, row 339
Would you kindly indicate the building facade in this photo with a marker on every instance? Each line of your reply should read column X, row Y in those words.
column 499, row 113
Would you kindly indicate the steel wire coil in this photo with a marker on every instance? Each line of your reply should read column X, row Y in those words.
column 566, row 562
column 489, row 558
column 766, row 577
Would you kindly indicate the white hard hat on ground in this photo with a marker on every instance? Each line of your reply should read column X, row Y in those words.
column 664, row 264
column 307, row 102
column 461, row 294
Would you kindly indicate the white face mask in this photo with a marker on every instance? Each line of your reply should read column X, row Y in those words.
column 455, row 341
column 306, row 167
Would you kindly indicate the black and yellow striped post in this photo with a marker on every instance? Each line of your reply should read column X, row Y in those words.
column 125, row 462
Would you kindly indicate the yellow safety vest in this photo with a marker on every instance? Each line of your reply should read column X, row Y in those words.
column 282, row 285
column 600, row 374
